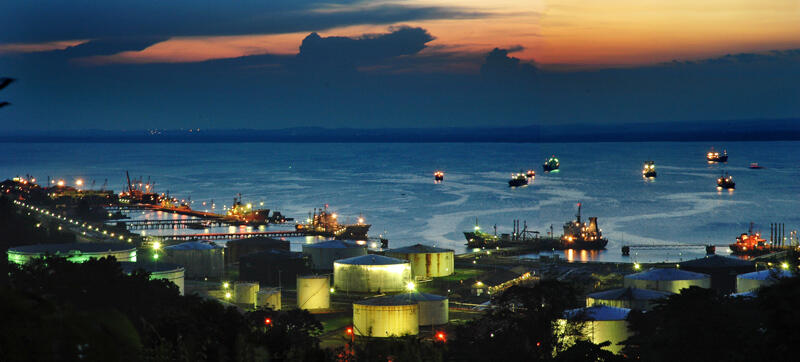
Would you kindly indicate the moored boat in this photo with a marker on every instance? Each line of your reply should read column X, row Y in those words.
column 714, row 156
column 726, row 182
column 551, row 164
column 518, row 180
column 580, row 235
column 649, row 169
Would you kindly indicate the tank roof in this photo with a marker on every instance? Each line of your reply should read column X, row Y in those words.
column 629, row 294
column 193, row 245
column 333, row 244
column 273, row 254
column 70, row 247
column 419, row 249
column 401, row 299
column 765, row 274
column 129, row 267
column 257, row 240
column 716, row 261
column 313, row 276
column 371, row 259
column 597, row 313
column 667, row 274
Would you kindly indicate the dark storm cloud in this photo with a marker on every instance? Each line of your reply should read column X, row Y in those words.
column 104, row 47
column 500, row 66
column 343, row 54
column 34, row 21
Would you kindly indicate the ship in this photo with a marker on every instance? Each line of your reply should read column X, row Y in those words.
column 438, row 176
column 649, row 169
column 582, row 236
column 518, row 237
column 245, row 213
column 325, row 223
column 726, row 182
column 138, row 192
column 755, row 166
column 531, row 173
column 714, row 156
column 551, row 164
column 750, row 244
column 518, row 180
column 172, row 204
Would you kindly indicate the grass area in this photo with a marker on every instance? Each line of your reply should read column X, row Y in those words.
column 332, row 322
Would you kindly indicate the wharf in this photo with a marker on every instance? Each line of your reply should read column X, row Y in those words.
column 170, row 224
column 222, row 236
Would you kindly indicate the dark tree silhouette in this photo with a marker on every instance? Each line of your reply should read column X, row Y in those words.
column 4, row 82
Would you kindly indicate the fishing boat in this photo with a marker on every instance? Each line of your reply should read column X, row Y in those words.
column 551, row 164
column 649, row 169
column 518, row 180
column 583, row 236
column 726, row 182
column 755, row 166
column 438, row 175
column 531, row 173
column 714, row 156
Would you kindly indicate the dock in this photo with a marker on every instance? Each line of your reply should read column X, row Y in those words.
column 170, row 224
column 242, row 235
column 710, row 249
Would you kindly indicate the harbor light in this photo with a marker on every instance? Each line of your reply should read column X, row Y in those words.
column 156, row 245
column 637, row 266
column 79, row 182
column 411, row 286
column 60, row 183
column 785, row 265
column 332, row 290
column 227, row 295
column 155, row 256
column 226, row 285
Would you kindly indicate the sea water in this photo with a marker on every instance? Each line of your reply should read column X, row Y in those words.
column 392, row 186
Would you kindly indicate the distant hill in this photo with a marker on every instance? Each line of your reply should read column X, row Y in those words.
column 740, row 130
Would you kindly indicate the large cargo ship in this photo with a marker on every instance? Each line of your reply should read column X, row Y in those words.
column 325, row 223
column 750, row 244
column 245, row 213
column 139, row 192
column 520, row 236
column 580, row 235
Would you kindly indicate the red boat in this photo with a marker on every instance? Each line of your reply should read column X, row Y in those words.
column 750, row 244
column 755, row 166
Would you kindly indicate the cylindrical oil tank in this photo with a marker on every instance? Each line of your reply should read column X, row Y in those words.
column 667, row 280
column 313, row 292
column 752, row 281
column 158, row 270
column 385, row 317
column 371, row 274
column 245, row 292
column 273, row 267
column 426, row 261
column 201, row 259
column 601, row 323
column 630, row 298
column 270, row 297
column 240, row 247
column 75, row 252
column 433, row 309
column 323, row 254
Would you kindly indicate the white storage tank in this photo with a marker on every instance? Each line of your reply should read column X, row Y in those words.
column 313, row 292
column 245, row 292
column 371, row 274
column 752, row 281
column 601, row 323
column 323, row 254
column 201, row 259
column 426, row 261
column 385, row 317
column 270, row 297
column 630, row 298
column 667, row 280
column 434, row 309
column 74, row 252
column 158, row 270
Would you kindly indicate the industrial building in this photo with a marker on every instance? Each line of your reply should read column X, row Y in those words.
column 629, row 298
column 240, row 247
column 722, row 269
column 385, row 317
column 667, row 280
column 201, row 260
column 273, row 267
column 313, row 292
column 371, row 274
column 323, row 254
column 752, row 281
column 601, row 323
column 426, row 261
column 75, row 252
column 158, row 270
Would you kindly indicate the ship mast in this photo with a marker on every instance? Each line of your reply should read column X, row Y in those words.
column 579, row 213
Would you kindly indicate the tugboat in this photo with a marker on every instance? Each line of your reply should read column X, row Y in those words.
column 531, row 173
column 438, row 176
column 325, row 223
column 246, row 214
column 518, row 180
column 582, row 236
column 551, row 164
column 726, row 182
column 714, row 156
column 649, row 170
column 750, row 244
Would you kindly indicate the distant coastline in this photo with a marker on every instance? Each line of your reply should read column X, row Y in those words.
column 739, row 130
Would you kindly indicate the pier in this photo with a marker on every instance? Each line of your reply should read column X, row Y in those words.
column 170, row 224
column 242, row 235
column 710, row 249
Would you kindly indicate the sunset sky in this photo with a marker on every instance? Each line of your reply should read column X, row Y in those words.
column 573, row 45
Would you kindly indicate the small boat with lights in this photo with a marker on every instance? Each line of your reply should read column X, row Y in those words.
column 518, row 180
column 531, row 173
column 551, row 164
column 726, row 182
column 714, row 156
column 438, row 176
column 649, row 169
column 755, row 166
column 582, row 236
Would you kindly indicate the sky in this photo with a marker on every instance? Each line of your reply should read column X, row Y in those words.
column 395, row 63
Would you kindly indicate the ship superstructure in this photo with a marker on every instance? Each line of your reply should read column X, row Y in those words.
column 326, row 223
column 582, row 235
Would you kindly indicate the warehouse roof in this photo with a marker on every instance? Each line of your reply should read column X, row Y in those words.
column 72, row 247
column 667, row 274
column 371, row 259
column 597, row 313
column 629, row 294
column 193, row 245
column 766, row 274
column 419, row 248
column 716, row 261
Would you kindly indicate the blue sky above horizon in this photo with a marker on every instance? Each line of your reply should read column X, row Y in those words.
column 395, row 63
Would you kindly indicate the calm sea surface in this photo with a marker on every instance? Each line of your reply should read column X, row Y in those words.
column 392, row 186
